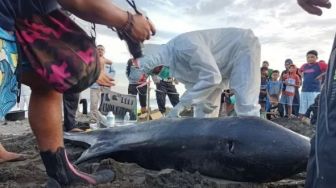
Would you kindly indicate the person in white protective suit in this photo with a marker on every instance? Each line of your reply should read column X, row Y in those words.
column 207, row 62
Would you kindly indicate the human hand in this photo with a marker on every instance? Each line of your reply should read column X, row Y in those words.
column 105, row 80
column 175, row 112
column 176, row 81
column 208, row 108
column 142, row 79
column 314, row 6
column 143, row 28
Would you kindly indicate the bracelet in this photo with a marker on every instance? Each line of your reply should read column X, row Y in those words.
column 127, row 28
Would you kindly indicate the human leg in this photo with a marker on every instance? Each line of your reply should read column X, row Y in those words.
column 6, row 156
column 289, row 110
column 70, row 106
column 45, row 106
column 161, row 97
column 45, row 121
column 143, row 98
column 172, row 93
column 282, row 106
column 210, row 108
column 303, row 103
column 94, row 101
column 245, row 80
column 290, row 106
column 296, row 102
column 22, row 103
column 268, row 104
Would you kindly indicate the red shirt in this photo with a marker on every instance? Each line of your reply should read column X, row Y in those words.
column 291, row 79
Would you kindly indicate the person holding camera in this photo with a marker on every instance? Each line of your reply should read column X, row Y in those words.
column 45, row 99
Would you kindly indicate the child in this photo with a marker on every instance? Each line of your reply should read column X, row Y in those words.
column 311, row 85
column 274, row 109
column 274, row 87
column 263, row 85
column 292, row 81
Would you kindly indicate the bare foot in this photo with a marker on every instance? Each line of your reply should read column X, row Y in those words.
column 6, row 156
column 76, row 130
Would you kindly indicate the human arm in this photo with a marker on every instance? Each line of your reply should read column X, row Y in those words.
column 301, row 70
column 319, row 77
column 106, row 13
column 104, row 79
column 293, row 81
column 314, row 6
column 262, row 91
column 128, row 68
column 267, row 89
column 107, row 61
column 280, row 89
column 297, row 82
column 323, row 66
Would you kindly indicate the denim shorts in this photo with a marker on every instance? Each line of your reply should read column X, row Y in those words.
column 288, row 100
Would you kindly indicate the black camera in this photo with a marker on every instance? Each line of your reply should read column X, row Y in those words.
column 134, row 47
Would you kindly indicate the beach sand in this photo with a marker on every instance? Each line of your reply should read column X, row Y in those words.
column 17, row 136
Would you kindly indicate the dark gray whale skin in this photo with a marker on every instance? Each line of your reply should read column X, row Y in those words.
column 244, row 149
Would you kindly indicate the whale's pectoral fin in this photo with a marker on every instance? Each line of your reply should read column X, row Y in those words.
column 80, row 138
column 98, row 151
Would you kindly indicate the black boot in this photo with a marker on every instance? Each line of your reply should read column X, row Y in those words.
column 61, row 171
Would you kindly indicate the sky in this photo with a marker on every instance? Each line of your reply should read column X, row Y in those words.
column 283, row 28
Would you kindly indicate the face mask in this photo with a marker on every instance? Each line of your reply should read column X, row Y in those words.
column 232, row 99
column 164, row 73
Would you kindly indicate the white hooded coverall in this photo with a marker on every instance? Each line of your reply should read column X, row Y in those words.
column 207, row 62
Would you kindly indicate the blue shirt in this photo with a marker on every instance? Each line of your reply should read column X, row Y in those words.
column 310, row 72
column 135, row 75
column 11, row 9
column 274, row 87
column 263, row 84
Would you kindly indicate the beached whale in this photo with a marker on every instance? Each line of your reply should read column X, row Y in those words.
column 238, row 148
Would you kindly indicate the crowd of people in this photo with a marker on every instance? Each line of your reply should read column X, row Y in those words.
column 279, row 93
column 205, row 80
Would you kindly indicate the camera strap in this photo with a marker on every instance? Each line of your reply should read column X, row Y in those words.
column 133, row 5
